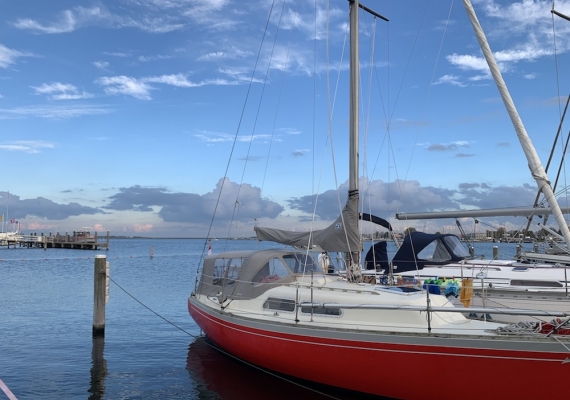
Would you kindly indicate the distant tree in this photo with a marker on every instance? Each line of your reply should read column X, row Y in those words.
column 501, row 232
column 410, row 229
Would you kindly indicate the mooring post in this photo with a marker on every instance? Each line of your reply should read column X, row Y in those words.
column 99, row 294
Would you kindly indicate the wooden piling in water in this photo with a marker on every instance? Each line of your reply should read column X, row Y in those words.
column 99, row 294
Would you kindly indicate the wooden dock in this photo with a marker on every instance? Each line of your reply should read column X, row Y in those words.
column 78, row 240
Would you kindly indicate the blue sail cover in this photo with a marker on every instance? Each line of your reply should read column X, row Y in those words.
column 420, row 249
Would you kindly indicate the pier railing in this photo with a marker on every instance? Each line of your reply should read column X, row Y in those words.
column 77, row 240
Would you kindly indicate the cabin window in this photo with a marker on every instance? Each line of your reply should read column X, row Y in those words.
column 227, row 268
column 456, row 246
column 525, row 282
column 322, row 311
column 272, row 271
column 273, row 303
column 219, row 268
column 301, row 263
column 435, row 251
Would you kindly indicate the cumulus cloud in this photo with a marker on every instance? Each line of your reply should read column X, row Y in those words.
column 237, row 203
column 142, row 228
column 487, row 196
column 43, row 208
column 380, row 198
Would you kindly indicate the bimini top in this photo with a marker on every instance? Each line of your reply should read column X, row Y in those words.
column 247, row 274
column 420, row 249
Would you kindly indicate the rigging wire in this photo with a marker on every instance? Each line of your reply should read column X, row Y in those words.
column 285, row 67
column 252, row 137
column 330, row 109
column 563, row 145
column 315, row 191
column 251, row 81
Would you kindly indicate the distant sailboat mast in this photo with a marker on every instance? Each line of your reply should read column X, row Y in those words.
column 534, row 163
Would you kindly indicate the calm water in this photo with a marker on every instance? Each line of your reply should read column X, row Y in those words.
column 46, row 314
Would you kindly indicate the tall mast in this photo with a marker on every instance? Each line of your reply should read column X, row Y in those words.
column 354, row 79
column 354, row 272
column 534, row 163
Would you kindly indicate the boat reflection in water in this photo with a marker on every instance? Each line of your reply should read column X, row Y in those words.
column 220, row 376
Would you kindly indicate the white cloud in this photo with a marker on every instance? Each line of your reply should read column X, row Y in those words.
column 53, row 112
column 452, row 146
column 9, row 56
column 26, row 146
column 210, row 15
column 149, row 24
column 214, row 137
column 117, row 54
column 217, row 137
column 102, row 65
column 153, row 58
column 125, row 85
column 68, row 21
column 140, row 88
column 178, row 80
column 468, row 62
column 527, row 26
column 451, row 80
column 230, row 54
column 61, row 91
column 290, row 131
column 78, row 17
column 520, row 15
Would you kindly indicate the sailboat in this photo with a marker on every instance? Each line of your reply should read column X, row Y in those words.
column 531, row 280
column 277, row 309
column 441, row 263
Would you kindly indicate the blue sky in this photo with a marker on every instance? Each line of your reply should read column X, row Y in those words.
column 122, row 115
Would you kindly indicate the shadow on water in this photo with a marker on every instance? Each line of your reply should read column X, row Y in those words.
column 219, row 376
column 98, row 369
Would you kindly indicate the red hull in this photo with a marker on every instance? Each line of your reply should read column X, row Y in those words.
column 395, row 370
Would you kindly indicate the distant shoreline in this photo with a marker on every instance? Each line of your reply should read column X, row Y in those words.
column 179, row 238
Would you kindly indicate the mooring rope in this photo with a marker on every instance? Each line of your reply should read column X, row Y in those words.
column 212, row 346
